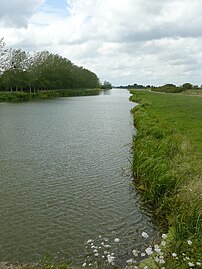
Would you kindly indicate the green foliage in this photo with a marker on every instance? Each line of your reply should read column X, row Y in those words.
column 187, row 86
column 41, row 71
column 24, row 96
column 166, row 168
column 106, row 85
column 168, row 88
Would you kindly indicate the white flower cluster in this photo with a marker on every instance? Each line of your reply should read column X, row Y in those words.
column 104, row 257
column 99, row 253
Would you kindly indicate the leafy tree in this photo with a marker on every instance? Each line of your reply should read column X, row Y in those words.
column 43, row 71
column 106, row 85
column 187, row 86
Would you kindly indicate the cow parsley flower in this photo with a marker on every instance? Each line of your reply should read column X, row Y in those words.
column 145, row 235
column 164, row 236
column 163, row 242
column 149, row 251
column 110, row 259
column 135, row 252
column 191, row 264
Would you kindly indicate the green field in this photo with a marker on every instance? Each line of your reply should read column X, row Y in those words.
column 167, row 168
column 180, row 111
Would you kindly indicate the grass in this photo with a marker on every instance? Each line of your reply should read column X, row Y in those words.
column 24, row 96
column 167, row 166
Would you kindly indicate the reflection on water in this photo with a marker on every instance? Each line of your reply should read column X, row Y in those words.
column 65, row 177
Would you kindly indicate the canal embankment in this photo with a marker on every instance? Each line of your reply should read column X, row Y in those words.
column 20, row 96
column 167, row 171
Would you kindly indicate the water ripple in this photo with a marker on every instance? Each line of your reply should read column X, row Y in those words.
column 62, row 179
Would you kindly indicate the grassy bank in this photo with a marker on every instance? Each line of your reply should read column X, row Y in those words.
column 23, row 96
column 167, row 169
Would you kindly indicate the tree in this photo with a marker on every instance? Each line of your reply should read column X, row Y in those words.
column 187, row 86
column 106, row 85
column 44, row 71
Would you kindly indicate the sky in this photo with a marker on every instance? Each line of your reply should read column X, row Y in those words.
column 123, row 41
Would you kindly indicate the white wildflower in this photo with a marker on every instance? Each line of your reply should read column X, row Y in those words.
column 145, row 235
column 100, row 236
column 110, row 259
column 191, row 264
column 198, row 263
column 135, row 252
column 189, row 242
column 84, row 264
column 142, row 254
column 174, row 254
column 149, row 251
column 164, row 236
column 89, row 241
column 130, row 261
column 116, row 240
column 163, row 243
column 187, row 258
column 162, row 261
column 157, row 248
column 96, row 254
column 145, row 267
column 156, row 259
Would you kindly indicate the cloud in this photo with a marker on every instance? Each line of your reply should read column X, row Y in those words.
column 16, row 13
column 130, row 41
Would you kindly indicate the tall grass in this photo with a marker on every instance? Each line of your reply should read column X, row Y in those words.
column 167, row 169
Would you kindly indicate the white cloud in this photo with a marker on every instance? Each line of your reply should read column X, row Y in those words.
column 130, row 41
column 16, row 13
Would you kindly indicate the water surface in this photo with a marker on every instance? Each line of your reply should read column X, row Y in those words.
column 65, row 177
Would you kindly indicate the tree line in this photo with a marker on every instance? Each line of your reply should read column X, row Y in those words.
column 164, row 88
column 33, row 72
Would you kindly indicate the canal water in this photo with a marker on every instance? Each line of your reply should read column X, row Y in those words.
column 65, row 178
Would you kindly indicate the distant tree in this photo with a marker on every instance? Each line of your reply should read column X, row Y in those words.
column 187, row 86
column 106, row 85
column 169, row 85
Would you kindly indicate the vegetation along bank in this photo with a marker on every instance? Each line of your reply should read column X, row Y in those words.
column 167, row 170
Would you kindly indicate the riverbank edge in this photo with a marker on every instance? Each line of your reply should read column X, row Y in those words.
column 24, row 96
column 168, row 175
